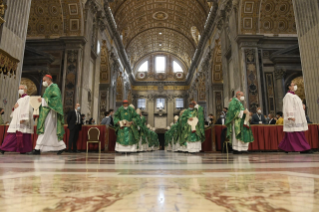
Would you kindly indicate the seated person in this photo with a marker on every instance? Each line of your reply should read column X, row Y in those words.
column 221, row 120
column 210, row 120
column 271, row 119
column 279, row 118
column 258, row 118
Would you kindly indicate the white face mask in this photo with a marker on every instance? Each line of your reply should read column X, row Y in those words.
column 79, row 108
column 125, row 108
column 45, row 84
column 21, row 92
column 242, row 98
column 259, row 111
column 295, row 87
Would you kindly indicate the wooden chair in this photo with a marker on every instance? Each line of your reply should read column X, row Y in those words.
column 93, row 137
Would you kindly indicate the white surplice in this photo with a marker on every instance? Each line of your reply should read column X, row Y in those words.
column 22, row 112
column 238, row 145
column 49, row 140
column 293, row 108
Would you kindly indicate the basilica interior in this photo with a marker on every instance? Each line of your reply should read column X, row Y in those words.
column 160, row 55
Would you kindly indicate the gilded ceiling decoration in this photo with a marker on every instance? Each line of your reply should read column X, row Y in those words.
column 55, row 18
column 149, row 26
column 267, row 17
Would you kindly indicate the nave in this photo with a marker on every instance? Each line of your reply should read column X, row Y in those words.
column 159, row 181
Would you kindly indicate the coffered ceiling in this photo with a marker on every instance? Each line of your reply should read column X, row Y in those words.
column 149, row 26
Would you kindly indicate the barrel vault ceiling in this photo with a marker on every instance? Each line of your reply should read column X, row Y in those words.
column 153, row 26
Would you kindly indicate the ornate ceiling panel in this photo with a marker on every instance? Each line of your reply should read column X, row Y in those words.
column 267, row 17
column 55, row 18
column 169, row 41
column 140, row 23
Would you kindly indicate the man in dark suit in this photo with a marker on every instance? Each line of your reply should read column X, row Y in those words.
column 75, row 125
column 258, row 118
column 271, row 119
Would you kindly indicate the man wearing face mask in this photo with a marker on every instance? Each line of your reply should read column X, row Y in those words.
column 193, row 129
column 238, row 127
column 51, row 120
column 1, row 113
column 127, row 135
column 295, row 123
column 18, row 138
column 75, row 126
column 258, row 118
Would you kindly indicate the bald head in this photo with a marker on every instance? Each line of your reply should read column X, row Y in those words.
column 240, row 95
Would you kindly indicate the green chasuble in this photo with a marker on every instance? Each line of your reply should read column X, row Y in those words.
column 127, row 136
column 187, row 135
column 243, row 133
column 52, row 96
column 143, row 129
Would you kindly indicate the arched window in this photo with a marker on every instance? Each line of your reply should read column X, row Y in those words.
column 143, row 67
column 160, row 64
column 177, row 67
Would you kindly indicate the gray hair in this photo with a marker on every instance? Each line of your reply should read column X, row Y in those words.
column 25, row 87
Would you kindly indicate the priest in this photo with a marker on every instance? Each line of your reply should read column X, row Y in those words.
column 127, row 135
column 51, row 120
column 192, row 127
column 142, row 131
column 238, row 126
column 295, row 123
column 18, row 137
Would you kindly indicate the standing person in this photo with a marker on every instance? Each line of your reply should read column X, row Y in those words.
column 127, row 136
column 18, row 138
column 258, row 118
column 295, row 123
column 51, row 120
column 193, row 138
column 75, row 125
column 271, row 119
column 1, row 113
column 238, row 127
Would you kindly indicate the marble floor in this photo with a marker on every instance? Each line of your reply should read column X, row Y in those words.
column 159, row 181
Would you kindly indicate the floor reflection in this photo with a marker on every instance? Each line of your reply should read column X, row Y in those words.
column 159, row 181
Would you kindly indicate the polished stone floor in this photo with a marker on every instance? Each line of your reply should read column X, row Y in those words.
column 159, row 181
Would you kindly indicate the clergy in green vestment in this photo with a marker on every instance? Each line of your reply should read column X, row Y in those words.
column 238, row 126
column 51, row 119
column 142, row 131
column 192, row 128
column 126, row 119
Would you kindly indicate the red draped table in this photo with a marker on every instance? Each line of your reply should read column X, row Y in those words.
column 107, row 137
column 268, row 137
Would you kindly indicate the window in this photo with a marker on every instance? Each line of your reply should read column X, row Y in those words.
column 141, row 103
column 177, row 67
column 160, row 103
column 179, row 103
column 143, row 67
column 160, row 63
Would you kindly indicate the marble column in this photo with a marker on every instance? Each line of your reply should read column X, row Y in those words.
column 151, row 110
column 170, row 109
column 12, row 40
column 279, row 76
column 307, row 19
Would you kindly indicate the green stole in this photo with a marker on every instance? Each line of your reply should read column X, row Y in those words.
column 52, row 96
